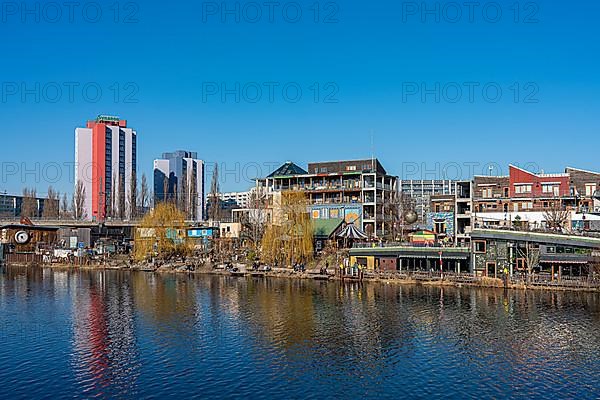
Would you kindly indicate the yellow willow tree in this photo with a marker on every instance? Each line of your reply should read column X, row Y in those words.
column 289, row 237
column 162, row 232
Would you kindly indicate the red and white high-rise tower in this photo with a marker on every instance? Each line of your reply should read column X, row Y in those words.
column 106, row 165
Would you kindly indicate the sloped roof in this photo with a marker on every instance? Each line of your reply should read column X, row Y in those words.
column 325, row 228
column 288, row 169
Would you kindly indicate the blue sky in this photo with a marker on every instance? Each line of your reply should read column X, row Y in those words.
column 360, row 67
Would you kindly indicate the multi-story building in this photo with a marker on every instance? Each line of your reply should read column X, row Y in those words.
column 421, row 190
column 462, row 212
column 179, row 177
column 440, row 218
column 11, row 206
column 358, row 191
column 536, row 200
column 106, row 166
column 242, row 199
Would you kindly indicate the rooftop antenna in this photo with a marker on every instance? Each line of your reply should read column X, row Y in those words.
column 372, row 151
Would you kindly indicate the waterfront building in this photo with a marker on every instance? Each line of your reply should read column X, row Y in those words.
column 440, row 218
column 421, row 190
column 519, row 252
column 357, row 191
column 413, row 258
column 179, row 177
column 462, row 212
column 561, row 201
column 106, row 166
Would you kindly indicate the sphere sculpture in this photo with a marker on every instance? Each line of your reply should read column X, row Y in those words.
column 410, row 217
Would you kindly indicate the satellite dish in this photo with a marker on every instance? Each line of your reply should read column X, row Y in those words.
column 410, row 217
column 22, row 237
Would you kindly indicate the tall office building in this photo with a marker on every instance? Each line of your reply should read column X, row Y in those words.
column 106, row 166
column 179, row 177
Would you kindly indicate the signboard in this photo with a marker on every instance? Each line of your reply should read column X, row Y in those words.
column 81, row 245
column 146, row 232
column 199, row 233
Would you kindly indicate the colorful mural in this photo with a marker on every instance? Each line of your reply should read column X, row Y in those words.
column 445, row 217
column 350, row 213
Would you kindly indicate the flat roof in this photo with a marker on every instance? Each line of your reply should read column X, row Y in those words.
column 552, row 238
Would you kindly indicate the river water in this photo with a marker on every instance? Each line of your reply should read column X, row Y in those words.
column 134, row 334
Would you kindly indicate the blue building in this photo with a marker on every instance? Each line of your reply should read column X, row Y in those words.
column 179, row 178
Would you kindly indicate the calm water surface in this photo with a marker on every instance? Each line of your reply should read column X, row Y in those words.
column 124, row 335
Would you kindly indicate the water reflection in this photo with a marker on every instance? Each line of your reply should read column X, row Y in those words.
column 117, row 334
column 105, row 356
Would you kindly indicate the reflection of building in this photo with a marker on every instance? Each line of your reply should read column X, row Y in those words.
column 105, row 163
column 357, row 191
column 179, row 177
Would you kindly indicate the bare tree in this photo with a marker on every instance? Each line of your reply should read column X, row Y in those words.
column 122, row 199
column 215, row 203
column 112, row 212
column 65, row 212
column 531, row 256
column 556, row 216
column 254, row 220
column 133, row 197
column 52, row 204
column 29, row 206
column 392, row 211
column 78, row 204
column 144, row 195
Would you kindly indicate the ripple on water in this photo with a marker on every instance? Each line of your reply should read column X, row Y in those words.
column 90, row 334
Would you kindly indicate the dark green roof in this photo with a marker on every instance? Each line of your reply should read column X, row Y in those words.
column 540, row 237
column 288, row 169
column 325, row 228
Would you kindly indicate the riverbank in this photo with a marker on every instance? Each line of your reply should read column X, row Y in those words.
column 398, row 278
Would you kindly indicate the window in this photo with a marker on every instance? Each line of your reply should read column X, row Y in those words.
column 323, row 170
column 351, row 168
column 551, row 188
column 490, row 269
column 439, row 227
column 486, row 193
column 590, row 189
column 480, row 246
column 522, row 188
